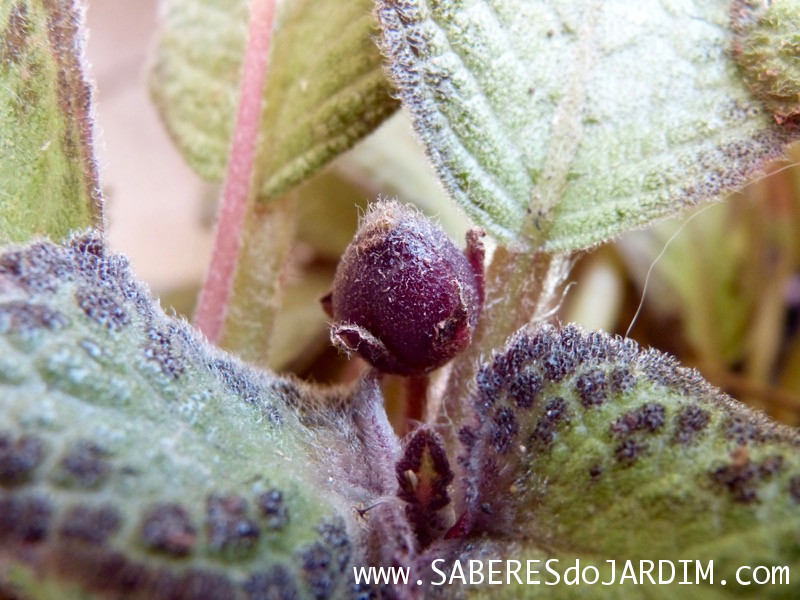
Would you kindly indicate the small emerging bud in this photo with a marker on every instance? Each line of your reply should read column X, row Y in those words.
column 404, row 297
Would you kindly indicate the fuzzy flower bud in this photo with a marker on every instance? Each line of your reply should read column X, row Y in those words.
column 405, row 298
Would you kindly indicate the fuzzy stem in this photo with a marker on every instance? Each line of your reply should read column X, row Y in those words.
column 521, row 288
column 269, row 231
column 239, row 182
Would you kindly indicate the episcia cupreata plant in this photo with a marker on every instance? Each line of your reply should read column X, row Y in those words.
column 139, row 460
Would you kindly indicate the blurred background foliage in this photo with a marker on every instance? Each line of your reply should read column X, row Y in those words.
column 722, row 286
column 722, row 291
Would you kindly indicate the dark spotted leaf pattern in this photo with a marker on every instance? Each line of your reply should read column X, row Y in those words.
column 583, row 445
column 137, row 461
column 134, row 457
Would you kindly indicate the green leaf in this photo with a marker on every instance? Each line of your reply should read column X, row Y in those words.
column 325, row 87
column 390, row 162
column 584, row 445
column 767, row 46
column 48, row 173
column 562, row 124
column 387, row 163
column 136, row 460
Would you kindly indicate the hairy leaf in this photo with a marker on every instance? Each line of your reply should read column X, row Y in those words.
column 325, row 88
column 767, row 46
column 584, row 445
column 424, row 474
column 390, row 162
column 48, row 174
column 135, row 460
column 562, row 124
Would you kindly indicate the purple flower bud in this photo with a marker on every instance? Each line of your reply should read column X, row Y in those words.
column 404, row 297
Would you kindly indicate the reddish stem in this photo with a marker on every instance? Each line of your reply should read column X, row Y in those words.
column 216, row 292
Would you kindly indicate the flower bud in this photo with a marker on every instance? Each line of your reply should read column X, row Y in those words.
column 404, row 297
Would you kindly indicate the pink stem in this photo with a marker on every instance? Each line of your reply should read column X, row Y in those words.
column 214, row 297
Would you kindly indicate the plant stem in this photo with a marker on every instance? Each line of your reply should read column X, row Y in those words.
column 522, row 282
column 269, row 231
column 520, row 288
column 240, row 183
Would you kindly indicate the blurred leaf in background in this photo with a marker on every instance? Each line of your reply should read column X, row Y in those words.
column 48, row 176
column 726, row 277
column 325, row 88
